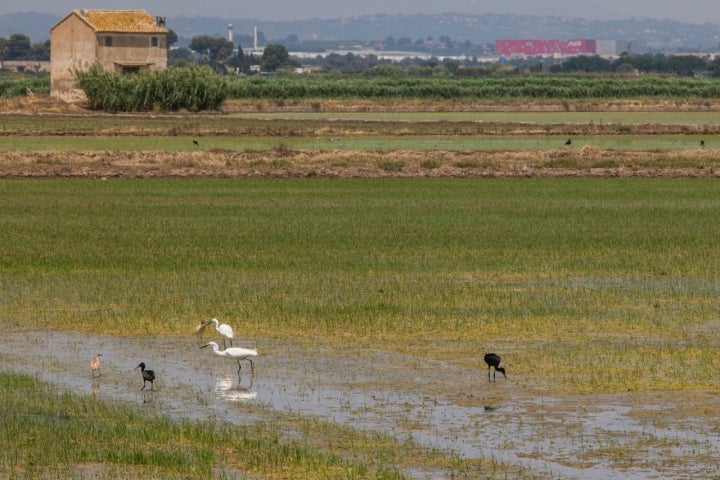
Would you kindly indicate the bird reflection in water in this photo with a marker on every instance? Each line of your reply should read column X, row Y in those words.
column 148, row 396
column 228, row 389
column 95, row 389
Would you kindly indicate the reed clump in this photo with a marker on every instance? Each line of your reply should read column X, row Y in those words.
column 188, row 88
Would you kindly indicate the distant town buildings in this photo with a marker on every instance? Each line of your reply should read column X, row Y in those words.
column 563, row 48
column 532, row 48
column 555, row 48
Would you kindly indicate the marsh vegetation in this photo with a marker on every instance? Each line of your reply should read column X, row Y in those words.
column 377, row 296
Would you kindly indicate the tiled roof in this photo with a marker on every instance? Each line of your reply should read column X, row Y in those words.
column 121, row 21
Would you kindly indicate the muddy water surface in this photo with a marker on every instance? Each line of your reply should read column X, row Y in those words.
column 437, row 404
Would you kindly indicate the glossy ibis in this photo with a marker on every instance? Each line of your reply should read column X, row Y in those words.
column 493, row 361
column 148, row 375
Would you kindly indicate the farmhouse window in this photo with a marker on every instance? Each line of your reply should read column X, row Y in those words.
column 153, row 41
column 108, row 41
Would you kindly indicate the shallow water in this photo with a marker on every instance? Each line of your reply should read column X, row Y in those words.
column 439, row 405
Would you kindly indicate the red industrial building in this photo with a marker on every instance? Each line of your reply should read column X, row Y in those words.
column 533, row 48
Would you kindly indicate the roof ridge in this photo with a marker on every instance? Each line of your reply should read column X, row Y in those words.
column 123, row 21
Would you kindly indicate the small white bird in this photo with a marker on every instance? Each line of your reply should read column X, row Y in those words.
column 235, row 353
column 95, row 365
column 225, row 330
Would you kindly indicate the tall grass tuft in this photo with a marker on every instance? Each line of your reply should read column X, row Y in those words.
column 189, row 88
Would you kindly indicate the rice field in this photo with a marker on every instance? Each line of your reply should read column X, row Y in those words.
column 595, row 265
column 377, row 143
column 63, row 435
column 601, row 295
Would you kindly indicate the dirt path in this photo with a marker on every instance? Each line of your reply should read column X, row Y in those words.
column 282, row 163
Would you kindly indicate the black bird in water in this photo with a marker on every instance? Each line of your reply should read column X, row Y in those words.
column 196, row 143
column 493, row 361
column 568, row 142
column 702, row 143
column 148, row 375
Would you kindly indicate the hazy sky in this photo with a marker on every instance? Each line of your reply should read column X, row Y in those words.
column 692, row 11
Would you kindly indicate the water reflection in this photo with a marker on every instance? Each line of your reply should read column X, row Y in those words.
column 230, row 390
column 509, row 422
column 147, row 396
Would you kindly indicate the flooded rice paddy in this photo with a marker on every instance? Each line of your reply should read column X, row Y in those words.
column 437, row 404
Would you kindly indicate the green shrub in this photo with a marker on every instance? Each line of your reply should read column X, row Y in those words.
column 190, row 88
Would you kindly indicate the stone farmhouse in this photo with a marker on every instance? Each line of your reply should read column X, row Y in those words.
column 122, row 41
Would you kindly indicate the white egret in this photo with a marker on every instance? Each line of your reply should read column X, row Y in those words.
column 148, row 375
column 224, row 330
column 95, row 365
column 235, row 353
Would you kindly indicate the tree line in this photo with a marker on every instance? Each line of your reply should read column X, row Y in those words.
column 19, row 47
column 682, row 65
column 224, row 57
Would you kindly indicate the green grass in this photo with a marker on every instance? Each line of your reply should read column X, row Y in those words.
column 610, row 283
column 377, row 123
column 515, row 116
column 543, row 87
column 19, row 84
column 514, row 143
column 47, row 434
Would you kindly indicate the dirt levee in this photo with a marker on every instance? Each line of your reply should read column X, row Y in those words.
column 284, row 163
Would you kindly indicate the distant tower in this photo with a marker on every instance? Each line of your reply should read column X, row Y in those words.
column 230, row 33
column 255, row 38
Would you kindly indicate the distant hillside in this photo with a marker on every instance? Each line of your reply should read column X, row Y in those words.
column 478, row 29
column 662, row 35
